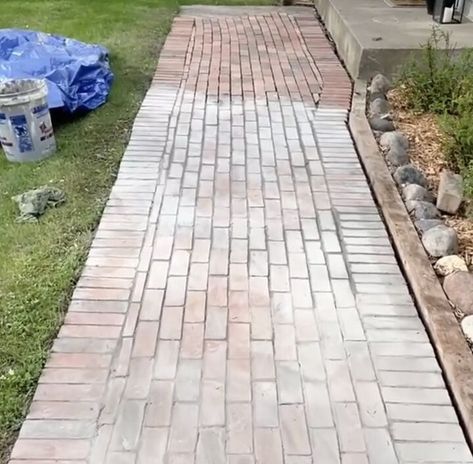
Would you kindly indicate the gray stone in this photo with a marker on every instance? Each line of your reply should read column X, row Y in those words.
column 380, row 84
column 397, row 156
column 376, row 95
column 450, row 264
column 459, row 289
column 425, row 224
column 450, row 193
column 409, row 174
column 381, row 124
column 390, row 139
column 415, row 192
column 467, row 327
column 422, row 210
column 379, row 107
column 440, row 241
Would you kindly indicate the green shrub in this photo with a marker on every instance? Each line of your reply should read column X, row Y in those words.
column 459, row 143
column 441, row 82
column 468, row 186
column 438, row 80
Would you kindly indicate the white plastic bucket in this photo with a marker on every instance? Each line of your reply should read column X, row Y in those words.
column 26, row 131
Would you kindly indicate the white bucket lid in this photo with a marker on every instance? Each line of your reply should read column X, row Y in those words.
column 18, row 91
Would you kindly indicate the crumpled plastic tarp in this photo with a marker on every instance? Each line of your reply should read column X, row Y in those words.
column 78, row 75
column 33, row 204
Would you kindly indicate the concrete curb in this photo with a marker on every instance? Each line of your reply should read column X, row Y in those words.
column 373, row 37
column 453, row 353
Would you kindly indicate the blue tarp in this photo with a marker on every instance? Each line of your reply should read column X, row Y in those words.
column 78, row 74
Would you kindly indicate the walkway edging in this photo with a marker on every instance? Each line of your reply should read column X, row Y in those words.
column 448, row 341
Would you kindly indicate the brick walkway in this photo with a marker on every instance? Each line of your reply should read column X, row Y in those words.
column 241, row 302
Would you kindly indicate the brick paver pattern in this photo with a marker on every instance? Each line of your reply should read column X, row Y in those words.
column 241, row 302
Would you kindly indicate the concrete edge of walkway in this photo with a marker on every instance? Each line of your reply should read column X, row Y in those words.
column 452, row 350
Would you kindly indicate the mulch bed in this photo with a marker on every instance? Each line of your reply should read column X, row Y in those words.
column 426, row 141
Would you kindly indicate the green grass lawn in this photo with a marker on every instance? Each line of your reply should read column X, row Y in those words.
column 39, row 263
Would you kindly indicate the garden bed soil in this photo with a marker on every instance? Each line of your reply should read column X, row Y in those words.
column 426, row 141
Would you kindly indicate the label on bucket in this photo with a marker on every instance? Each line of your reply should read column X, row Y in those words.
column 4, row 131
column 27, row 135
column 22, row 133
column 40, row 110
column 41, row 113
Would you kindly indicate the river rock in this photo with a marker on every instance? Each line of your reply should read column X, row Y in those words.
column 380, row 84
column 409, row 174
column 378, row 123
column 390, row 139
column 375, row 95
column 450, row 194
column 467, row 327
column 424, row 225
column 459, row 289
column 397, row 156
column 450, row 264
column 440, row 241
column 415, row 192
column 422, row 209
column 380, row 107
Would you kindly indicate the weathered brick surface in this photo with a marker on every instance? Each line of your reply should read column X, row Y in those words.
column 241, row 302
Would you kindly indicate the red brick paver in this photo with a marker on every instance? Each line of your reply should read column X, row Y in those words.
column 241, row 303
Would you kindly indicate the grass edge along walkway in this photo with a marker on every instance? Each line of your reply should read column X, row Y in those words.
column 39, row 263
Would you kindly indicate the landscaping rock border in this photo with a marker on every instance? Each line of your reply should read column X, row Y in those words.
column 449, row 341
column 424, row 206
